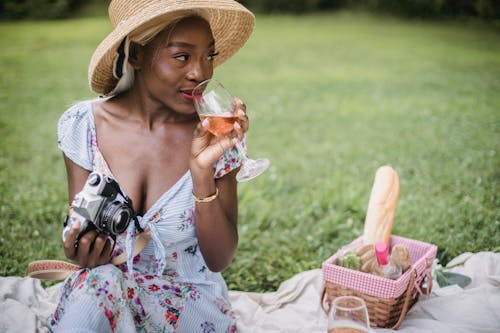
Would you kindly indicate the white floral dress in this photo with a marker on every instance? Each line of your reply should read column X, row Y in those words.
column 186, row 296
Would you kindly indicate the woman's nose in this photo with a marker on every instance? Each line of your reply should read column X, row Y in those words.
column 200, row 70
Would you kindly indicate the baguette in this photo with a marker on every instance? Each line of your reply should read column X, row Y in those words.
column 381, row 206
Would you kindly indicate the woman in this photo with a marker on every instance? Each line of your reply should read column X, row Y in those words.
column 145, row 134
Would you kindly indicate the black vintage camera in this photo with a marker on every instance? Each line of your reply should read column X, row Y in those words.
column 97, row 207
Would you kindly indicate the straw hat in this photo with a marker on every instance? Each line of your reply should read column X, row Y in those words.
column 141, row 20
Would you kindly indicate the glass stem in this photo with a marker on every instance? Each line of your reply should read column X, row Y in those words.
column 241, row 151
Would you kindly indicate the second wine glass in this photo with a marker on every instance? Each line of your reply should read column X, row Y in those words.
column 215, row 103
column 348, row 314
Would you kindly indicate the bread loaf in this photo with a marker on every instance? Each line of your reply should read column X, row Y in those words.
column 381, row 206
column 400, row 256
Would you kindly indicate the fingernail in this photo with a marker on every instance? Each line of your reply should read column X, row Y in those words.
column 241, row 112
column 237, row 125
column 204, row 123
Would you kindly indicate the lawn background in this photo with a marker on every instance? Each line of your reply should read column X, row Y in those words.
column 331, row 97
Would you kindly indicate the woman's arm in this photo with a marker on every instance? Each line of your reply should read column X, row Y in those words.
column 216, row 220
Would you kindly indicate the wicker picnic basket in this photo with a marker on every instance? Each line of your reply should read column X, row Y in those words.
column 387, row 300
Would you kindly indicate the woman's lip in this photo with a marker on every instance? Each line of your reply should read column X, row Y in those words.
column 188, row 94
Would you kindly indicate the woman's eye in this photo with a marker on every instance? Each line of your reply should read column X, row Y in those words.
column 212, row 56
column 182, row 57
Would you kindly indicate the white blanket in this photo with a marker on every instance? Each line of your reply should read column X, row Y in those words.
column 295, row 306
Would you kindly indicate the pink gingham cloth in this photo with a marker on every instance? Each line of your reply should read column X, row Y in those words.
column 421, row 254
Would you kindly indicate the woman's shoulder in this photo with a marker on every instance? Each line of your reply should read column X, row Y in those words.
column 76, row 121
column 76, row 132
column 78, row 112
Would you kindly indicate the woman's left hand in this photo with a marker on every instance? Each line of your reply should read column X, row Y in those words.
column 207, row 148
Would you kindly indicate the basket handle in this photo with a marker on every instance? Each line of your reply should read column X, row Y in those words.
column 406, row 303
column 322, row 300
column 427, row 290
column 427, row 277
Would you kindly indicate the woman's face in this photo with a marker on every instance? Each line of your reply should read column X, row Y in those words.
column 173, row 65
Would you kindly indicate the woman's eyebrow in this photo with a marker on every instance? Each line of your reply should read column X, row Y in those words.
column 187, row 45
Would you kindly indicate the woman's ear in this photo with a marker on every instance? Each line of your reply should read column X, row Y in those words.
column 135, row 55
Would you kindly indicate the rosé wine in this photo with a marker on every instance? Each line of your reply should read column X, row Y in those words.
column 220, row 125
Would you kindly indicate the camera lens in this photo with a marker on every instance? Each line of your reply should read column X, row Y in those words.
column 121, row 221
column 115, row 217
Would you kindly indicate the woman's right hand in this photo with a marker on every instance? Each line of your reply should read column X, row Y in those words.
column 90, row 250
column 207, row 148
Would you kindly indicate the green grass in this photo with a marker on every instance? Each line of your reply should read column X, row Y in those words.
column 330, row 97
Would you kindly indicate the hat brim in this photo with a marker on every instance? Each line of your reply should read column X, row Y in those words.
column 231, row 24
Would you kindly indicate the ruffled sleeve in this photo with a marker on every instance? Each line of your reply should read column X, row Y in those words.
column 75, row 133
column 229, row 161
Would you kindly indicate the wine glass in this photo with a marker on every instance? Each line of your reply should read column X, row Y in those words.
column 348, row 314
column 215, row 103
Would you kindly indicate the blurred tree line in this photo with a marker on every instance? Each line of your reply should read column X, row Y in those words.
column 484, row 9
column 38, row 9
